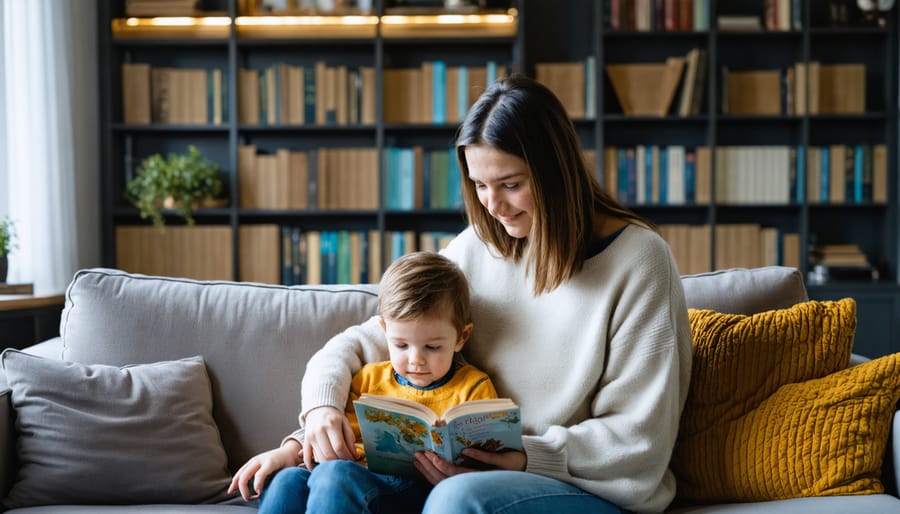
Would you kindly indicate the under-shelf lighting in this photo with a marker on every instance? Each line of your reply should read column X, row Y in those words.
column 350, row 26
column 450, row 25
column 205, row 27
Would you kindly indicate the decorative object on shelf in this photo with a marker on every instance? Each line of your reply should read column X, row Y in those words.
column 181, row 182
column 7, row 245
column 646, row 89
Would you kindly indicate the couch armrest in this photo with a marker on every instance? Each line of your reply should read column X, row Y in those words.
column 7, row 441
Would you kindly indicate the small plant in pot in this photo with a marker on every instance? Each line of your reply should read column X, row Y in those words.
column 7, row 245
column 181, row 182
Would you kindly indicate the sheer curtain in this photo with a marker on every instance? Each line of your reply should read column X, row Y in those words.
column 49, row 136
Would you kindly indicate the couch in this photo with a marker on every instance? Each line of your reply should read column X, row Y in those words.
column 254, row 340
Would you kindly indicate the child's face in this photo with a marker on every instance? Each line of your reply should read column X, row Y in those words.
column 422, row 349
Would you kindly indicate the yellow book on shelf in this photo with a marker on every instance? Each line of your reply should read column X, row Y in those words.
column 754, row 92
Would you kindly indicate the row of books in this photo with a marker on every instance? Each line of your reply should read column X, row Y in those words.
column 347, row 256
column 435, row 92
column 658, row 175
column 656, row 15
column 779, row 175
column 834, row 174
column 191, row 96
column 288, row 94
column 416, row 178
column 693, row 15
column 806, row 87
column 348, row 178
column 737, row 245
column 323, row 178
column 290, row 255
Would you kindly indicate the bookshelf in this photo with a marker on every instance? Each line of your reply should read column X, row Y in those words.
column 705, row 223
column 347, row 140
column 745, row 208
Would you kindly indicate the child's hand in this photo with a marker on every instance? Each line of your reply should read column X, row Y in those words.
column 259, row 468
column 328, row 436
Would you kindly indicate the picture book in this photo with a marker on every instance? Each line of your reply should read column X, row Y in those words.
column 393, row 430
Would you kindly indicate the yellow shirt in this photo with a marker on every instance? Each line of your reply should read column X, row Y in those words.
column 468, row 383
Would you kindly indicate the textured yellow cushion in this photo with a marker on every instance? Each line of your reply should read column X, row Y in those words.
column 739, row 363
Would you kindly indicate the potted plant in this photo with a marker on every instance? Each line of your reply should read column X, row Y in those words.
column 7, row 245
column 181, row 182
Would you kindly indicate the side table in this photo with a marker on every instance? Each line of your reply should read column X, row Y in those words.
column 26, row 319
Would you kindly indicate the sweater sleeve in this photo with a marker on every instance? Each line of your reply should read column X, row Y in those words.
column 331, row 369
column 622, row 452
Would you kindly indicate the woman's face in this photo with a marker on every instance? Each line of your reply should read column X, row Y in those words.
column 503, row 185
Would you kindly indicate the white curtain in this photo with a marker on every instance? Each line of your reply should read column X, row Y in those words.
column 49, row 138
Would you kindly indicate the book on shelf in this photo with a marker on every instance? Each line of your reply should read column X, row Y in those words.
column 738, row 23
column 394, row 429
column 567, row 81
column 752, row 92
column 136, row 93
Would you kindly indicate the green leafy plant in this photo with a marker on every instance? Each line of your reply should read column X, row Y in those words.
column 179, row 181
column 7, row 236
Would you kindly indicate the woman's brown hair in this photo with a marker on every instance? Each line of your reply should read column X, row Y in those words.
column 521, row 117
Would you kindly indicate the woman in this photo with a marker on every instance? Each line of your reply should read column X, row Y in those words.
column 579, row 317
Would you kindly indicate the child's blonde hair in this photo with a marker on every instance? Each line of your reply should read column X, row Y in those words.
column 421, row 283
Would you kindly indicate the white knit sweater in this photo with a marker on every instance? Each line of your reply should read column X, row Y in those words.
column 600, row 366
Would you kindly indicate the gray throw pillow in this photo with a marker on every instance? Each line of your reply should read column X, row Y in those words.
column 96, row 434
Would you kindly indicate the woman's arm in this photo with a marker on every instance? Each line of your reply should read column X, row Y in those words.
column 325, row 431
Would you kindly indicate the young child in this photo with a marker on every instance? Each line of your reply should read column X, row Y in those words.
column 424, row 308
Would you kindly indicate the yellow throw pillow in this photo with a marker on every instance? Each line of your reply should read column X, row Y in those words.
column 739, row 362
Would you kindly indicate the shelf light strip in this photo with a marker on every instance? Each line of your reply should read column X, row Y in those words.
column 288, row 21
column 179, row 21
column 449, row 19
column 272, row 21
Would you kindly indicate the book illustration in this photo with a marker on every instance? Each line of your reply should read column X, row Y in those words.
column 393, row 432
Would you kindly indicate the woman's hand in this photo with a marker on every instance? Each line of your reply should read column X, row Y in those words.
column 328, row 436
column 435, row 469
column 260, row 467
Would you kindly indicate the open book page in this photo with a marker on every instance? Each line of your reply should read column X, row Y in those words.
column 393, row 430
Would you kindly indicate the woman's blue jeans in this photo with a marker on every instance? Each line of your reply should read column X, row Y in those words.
column 511, row 492
column 339, row 486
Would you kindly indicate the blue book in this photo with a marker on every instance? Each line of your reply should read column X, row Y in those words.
column 406, row 175
column 824, row 182
column 622, row 175
column 454, row 186
column 648, row 175
column 690, row 181
column 363, row 257
column 663, row 176
column 858, row 174
column 393, row 430
column 309, row 95
column 439, row 92
column 491, row 72
column 462, row 92
column 800, row 182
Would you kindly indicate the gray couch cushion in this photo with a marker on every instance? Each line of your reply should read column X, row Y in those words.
column 255, row 339
column 745, row 291
column 101, row 434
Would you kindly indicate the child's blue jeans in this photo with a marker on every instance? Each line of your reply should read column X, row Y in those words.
column 341, row 486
